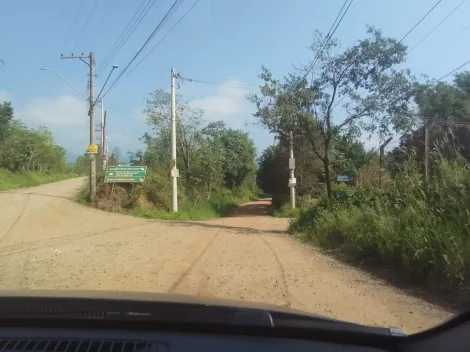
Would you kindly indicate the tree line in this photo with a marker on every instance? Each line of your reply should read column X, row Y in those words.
column 343, row 94
column 27, row 149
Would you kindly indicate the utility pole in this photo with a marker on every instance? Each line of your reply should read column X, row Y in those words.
column 103, row 136
column 426, row 153
column 382, row 152
column 174, row 170
column 91, row 113
column 427, row 124
column 292, row 180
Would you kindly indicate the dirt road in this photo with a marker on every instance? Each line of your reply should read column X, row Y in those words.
column 47, row 241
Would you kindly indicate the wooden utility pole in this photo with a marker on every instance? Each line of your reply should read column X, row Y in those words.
column 382, row 152
column 91, row 113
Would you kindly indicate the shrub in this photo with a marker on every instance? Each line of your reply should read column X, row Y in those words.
column 424, row 231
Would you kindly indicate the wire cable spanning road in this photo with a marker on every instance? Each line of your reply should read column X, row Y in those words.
column 47, row 241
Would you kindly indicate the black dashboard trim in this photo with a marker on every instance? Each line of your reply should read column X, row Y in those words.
column 333, row 333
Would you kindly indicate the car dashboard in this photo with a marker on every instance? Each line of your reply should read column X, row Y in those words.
column 83, row 340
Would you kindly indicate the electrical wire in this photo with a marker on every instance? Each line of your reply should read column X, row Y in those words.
column 329, row 34
column 168, row 15
column 73, row 25
column 418, row 23
column 104, row 85
column 241, row 86
column 161, row 40
column 119, row 38
column 400, row 41
column 437, row 26
column 111, row 5
column 451, row 72
column 120, row 43
column 86, row 23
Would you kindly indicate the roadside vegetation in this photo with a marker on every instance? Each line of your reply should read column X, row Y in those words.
column 29, row 157
column 388, row 215
column 216, row 165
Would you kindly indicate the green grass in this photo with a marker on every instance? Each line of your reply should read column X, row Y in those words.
column 424, row 233
column 285, row 211
column 12, row 180
column 201, row 211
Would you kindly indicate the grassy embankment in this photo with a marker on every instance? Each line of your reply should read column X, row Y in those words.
column 12, row 180
column 423, row 232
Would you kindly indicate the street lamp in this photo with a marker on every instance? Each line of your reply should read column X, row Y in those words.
column 63, row 79
column 107, row 79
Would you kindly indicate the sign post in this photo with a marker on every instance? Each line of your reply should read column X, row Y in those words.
column 125, row 174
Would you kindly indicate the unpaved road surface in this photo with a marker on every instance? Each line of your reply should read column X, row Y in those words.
column 47, row 241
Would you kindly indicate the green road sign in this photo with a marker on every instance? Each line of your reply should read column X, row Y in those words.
column 125, row 174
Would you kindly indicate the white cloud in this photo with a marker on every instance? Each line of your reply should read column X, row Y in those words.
column 228, row 103
column 64, row 110
column 4, row 96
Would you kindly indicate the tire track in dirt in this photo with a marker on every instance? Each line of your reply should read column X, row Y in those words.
column 13, row 224
column 22, row 247
column 282, row 271
column 183, row 276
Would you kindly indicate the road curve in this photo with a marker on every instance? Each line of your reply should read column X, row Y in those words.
column 47, row 241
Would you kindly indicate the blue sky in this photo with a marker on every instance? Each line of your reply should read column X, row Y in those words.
column 219, row 41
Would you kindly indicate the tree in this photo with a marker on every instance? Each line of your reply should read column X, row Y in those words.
column 349, row 155
column 158, row 110
column 445, row 101
column 6, row 117
column 376, row 94
column 237, row 151
column 273, row 169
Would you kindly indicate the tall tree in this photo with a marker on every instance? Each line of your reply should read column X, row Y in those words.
column 189, row 120
column 6, row 117
column 362, row 79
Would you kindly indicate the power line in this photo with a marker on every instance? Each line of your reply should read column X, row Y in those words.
column 86, row 23
column 330, row 34
column 161, row 40
column 241, row 86
column 120, row 36
column 111, row 5
column 168, row 15
column 112, row 53
column 73, row 25
column 400, row 41
column 437, row 26
column 451, row 72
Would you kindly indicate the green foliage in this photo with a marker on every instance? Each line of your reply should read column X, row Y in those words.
column 424, row 232
column 273, row 171
column 285, row 211
column 28, row 156
column 444, row 100
column 348, row 156
column 212, row 158
column 362, row 78
column 12, row 180
column 6, row 117
column 216, row 167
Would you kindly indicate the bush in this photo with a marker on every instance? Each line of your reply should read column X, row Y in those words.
column 422, row 231
column 153, row 199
